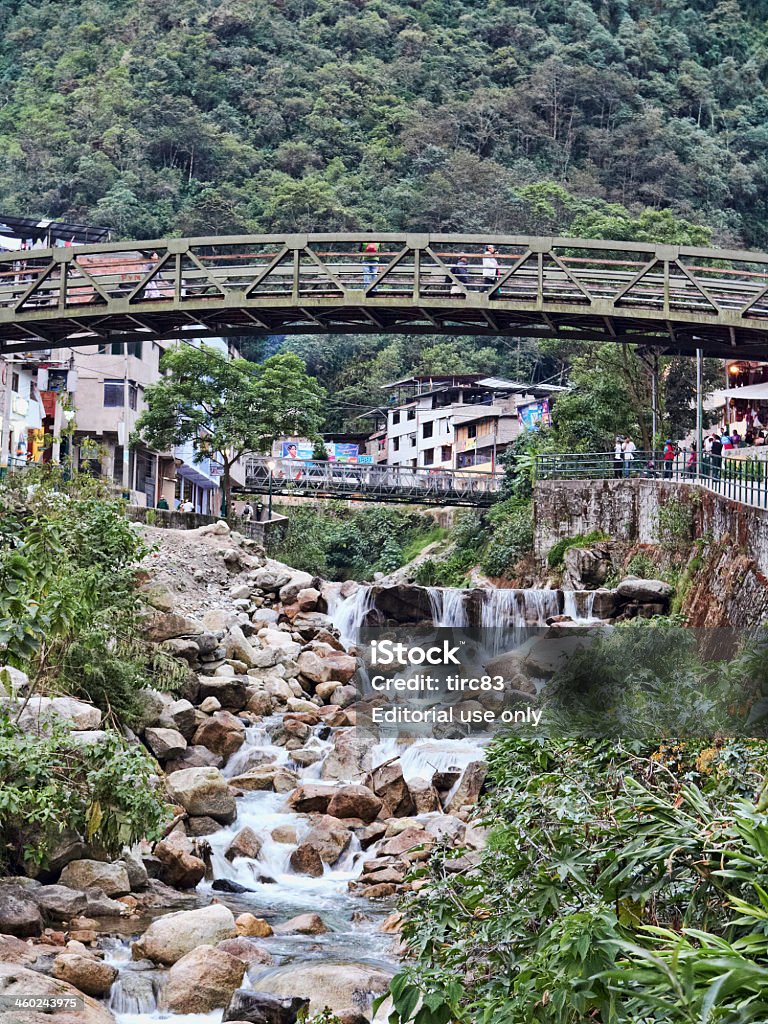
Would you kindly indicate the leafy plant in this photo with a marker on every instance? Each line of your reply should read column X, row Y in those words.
column 556, row 554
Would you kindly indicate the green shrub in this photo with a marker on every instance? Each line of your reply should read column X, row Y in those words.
column 556, row 554
column 107, row 792
column 510, row 535
column 642, row 566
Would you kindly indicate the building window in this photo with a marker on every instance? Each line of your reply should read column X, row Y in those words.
column 427, row 429
column 395, row 418
column 411, row 414
column 429, row 456
column 395, row 444
column 446, row 452
column 15, row 382
column 113, row 394
column 413, row 440
column 472, row 430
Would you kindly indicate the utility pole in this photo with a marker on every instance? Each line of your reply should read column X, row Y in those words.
column 5, row 432
column 126, row 450
column 699, row 408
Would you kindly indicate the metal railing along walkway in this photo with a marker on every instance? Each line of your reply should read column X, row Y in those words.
column 742, row 479
column 676, row 298
column 349, row 481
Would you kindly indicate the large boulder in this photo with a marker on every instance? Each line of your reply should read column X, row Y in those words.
column 311, row 797
column 350, row 759
column 644, row 591
column 313, row 667
column 303, row 924
column 59, row 902
column 330, row 837
column 222, row 733
column 19, row 912
column 237, row 647
column 305, row 860
column 274, row 777
column 404, row 603
column 164, row 743
column 159, row 626
column 203, row 792
column 181, row 715
column 230, row 691
column 38, row 714
column 179, row 864
column 247, row 950
column 86, row 973
column 262, row 1008
column 194, row 757
column 112, row 879
column 355, row 802
column 203, row 980
column 21, row 982
column 468, row 790
column 388, row 783
column 245, row 844
column 338, row 986
column 249, row 926
column 586, row 568
column 424, row 796
column 170, row 937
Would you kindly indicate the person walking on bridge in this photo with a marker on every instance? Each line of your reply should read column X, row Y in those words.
column 628, row 450
column 618, row 458
column 491, row 269
column 371, row 264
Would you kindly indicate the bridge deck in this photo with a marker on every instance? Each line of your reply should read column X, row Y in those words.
column 669, row 297
column 344, row 481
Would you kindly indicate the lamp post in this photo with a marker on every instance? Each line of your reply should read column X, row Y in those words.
column 271, row 468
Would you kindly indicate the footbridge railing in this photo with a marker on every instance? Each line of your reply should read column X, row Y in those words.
column 350, row 481
column 676, row 298
column 741, row 476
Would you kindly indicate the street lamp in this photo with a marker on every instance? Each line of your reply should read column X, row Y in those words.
column 271, row 468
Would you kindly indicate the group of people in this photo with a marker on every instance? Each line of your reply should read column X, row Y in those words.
column 667, row 462
column 460, row 277
column 623, row 456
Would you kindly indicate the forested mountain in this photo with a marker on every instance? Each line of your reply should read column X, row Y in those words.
column 207, row 116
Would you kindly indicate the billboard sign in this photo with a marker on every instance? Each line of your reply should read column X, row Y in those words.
column 534, row 415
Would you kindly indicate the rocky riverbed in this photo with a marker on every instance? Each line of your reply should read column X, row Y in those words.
column 294, row 828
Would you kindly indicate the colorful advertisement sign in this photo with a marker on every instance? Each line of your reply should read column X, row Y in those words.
column 534, row 415
column 302, row 451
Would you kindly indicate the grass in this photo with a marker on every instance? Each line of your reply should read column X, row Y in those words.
column 417, row 544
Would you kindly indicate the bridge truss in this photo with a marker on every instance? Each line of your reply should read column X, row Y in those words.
column 350, row 482
column 671, row 298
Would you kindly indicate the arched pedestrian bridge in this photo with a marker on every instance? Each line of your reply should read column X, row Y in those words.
column 672, row 298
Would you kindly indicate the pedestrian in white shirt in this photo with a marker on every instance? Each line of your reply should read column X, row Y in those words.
column 491, row 272
column 628, row 450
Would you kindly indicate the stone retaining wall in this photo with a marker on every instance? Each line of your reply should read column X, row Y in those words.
column 168, row 520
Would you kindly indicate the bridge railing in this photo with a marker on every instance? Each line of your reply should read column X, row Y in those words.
column 742, row 479
column 368, row 482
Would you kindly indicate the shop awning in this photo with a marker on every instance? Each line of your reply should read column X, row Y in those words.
column 750, row 393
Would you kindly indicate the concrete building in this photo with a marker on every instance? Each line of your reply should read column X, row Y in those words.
column 434, row 421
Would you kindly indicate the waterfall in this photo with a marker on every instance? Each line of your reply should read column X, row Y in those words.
column 579, row 604
column 136, row 992
column 518, row 608
column 449, row 606
column 348, row 614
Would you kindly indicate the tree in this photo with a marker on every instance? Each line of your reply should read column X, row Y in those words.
column 228, row 408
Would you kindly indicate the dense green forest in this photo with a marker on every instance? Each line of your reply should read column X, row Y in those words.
column 629, row 119
column 226, row 115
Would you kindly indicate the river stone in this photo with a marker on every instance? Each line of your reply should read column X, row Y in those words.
column 86, row 973
column 313, row 667
column 19, row 981
column 180, row 865
column 164, row 743
column 60, row 902
column 159, row 626
column 39, row 713
column 181, row 715
column 409, row 839
column 222, row 733
column 168, row 938
column 245, row 844
column 274, row 777
column 229, row 691
column 335, row 985
column 202, row 826
column 112, row 879
column 203, row 980
column 246, row 950
column 350, row 759
column 354, row 802
column 388, row 783
column 330, row 837
column 237, row 647
column 19, row 912
column 423, row 795
column 643, row 591
column 342, row 666
column 311, row 797
column 262, row 1008
column 248, row 926
column 302, row 924
column 134, row 865
column 468, row 790
column 204, row 792
column 305, row 860
column 194, row 757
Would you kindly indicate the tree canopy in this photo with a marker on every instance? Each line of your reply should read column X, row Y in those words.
column 228, row 408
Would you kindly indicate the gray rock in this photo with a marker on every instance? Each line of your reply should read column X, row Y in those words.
column 19, row 912
column 203, row 792
column 644, row 591
column 59, row 902
column 164, row 743
column 261, row 1008
column 229, row 691
column 111, row 879
column 100, row 905
column 137, row 873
